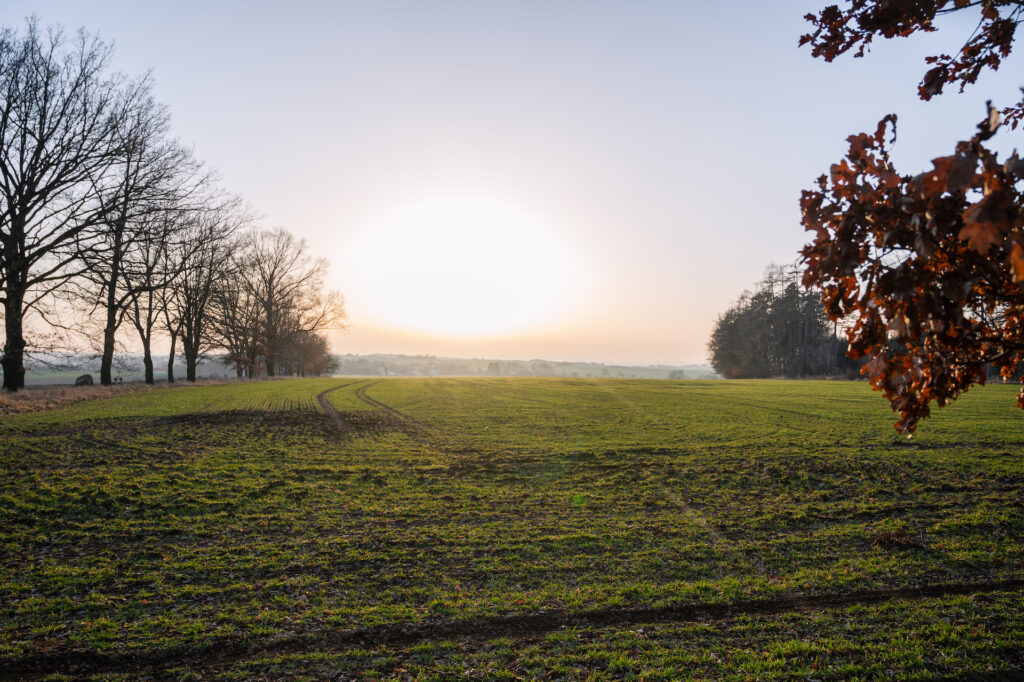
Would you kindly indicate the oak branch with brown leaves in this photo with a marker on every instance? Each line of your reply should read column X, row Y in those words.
column 926, row 269
column 853, row 28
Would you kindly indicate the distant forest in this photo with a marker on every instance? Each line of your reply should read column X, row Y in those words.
column 779, row 330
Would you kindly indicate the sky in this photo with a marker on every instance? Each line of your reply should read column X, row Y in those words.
column 562, row 180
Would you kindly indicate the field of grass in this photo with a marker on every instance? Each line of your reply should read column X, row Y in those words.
column 512, row 528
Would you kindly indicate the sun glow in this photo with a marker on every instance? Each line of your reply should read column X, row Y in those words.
column 465, row 265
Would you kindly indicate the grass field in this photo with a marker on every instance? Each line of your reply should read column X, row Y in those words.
column 512, row 528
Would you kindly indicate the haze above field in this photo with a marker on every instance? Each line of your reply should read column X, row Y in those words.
column 582, row 181
column 64, row 370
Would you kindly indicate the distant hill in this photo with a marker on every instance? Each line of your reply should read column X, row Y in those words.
column 432, row 365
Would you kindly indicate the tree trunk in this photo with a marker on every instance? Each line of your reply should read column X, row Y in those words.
column 14, row 342
column 147, row 362
column 835, row 348
column 170, row 360
column 13, row 357
column 191, row 359
column 146, row 337
column 270, row 364
column 111, row 327
column 106, row 363
column 803, row 345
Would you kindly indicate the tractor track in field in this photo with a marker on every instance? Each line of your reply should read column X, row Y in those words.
column 379, row 419
column 408, row 424
column 222, row 652
column 335, row 421
column 430, row 436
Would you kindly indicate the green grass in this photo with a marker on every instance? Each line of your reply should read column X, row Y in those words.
column 240, row 518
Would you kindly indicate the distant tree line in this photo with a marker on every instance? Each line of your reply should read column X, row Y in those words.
column 778, row 330
column 108, row 223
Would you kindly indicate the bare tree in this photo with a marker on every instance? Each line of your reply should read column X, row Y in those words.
column 149, row 273
column 271, row 308
column 58, row 119
column 171, row 258
column 309, row 354
column 288, row 284
column 237, row 315
column 205, row 257
column 150, row 175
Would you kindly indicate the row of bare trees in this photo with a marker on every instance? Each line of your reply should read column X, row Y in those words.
column 107, row 220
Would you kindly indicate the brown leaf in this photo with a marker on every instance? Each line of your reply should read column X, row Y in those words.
column 961, row 172
column 889, row 119
column 980, row 236
column 898, row 324
column 933, row 82
column 983, row 223
column 1017, row 262
column 1014, row 166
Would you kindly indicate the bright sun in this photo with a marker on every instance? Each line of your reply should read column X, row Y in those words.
column 465, row 265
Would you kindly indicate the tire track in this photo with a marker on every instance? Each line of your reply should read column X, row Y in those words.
column 222, row 652
column 447, row 444
column 405, row 420
column 335, row 422
column 383, row 418
column 411, row 427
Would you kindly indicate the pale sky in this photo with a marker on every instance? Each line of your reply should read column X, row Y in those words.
column 562, row 180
